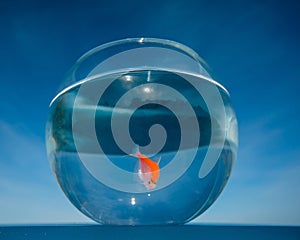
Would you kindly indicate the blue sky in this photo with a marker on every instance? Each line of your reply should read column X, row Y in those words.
column 252, row 46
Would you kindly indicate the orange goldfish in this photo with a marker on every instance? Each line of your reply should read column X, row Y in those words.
column 148, row 170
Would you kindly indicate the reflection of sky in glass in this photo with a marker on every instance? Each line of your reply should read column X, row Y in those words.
column 252, row 48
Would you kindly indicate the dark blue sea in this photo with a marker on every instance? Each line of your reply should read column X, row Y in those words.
column 182, row 232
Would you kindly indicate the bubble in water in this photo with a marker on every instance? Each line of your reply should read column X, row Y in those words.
column 140, row 133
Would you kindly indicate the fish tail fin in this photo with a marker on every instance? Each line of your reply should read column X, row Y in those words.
column 135, row 150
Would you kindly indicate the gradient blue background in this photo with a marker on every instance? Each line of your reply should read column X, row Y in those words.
column 252, row 47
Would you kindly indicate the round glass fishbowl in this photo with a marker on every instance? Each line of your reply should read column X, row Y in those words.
column 140, row 133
